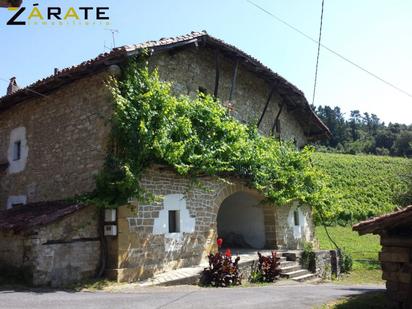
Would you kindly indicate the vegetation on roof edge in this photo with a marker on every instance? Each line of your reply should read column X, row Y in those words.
column 196, row 137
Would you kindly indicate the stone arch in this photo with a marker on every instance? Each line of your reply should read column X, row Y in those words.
column 258, row 233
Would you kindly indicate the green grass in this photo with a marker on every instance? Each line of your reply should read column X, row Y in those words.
column 363, row 249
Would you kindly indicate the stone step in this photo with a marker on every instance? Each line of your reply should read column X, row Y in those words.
column 289, row 269
column 306, row 277
column 284, row 264
column 295, row 273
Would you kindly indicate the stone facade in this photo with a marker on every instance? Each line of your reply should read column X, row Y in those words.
column 195, row 67
column 137, row 250
column 66, row 135
column 66, row 132
column 57, row 254
column 65, row 139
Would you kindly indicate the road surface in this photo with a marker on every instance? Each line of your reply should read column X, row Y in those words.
column 181, row 297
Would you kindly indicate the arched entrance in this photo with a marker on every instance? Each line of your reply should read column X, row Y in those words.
column 241, row 222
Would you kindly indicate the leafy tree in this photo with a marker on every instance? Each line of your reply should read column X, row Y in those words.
column 363, row 133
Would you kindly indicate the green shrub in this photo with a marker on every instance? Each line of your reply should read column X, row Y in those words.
column 346, row 261
column 307, row 259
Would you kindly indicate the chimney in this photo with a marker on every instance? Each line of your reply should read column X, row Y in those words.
column 12, row 86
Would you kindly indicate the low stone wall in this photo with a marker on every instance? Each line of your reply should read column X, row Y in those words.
column 325, row 264
column 58, row 254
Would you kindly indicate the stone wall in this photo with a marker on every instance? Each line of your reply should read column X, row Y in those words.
column 66, row 134
column 289, row 235
column 142, row 249
column 12, row 250
column 58, row 254
column 326, row 264
column 192, row 68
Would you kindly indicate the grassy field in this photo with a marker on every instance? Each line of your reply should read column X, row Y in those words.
column 363, row 249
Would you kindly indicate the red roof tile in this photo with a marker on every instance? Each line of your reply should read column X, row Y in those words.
column 26, row 217
column 377, row 224
column 118, row 54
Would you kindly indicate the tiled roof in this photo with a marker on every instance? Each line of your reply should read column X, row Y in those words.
column 25, row 217
column 116, row 55
column 391, row 220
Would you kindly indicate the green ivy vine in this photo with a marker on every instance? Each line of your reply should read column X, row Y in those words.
column 196, row 137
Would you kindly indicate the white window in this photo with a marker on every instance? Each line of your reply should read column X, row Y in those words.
column 18, row 150
column 174, row 221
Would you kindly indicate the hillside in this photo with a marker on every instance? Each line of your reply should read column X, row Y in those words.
column 366, row 185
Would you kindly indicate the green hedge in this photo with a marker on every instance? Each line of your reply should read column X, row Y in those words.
column 365, row 185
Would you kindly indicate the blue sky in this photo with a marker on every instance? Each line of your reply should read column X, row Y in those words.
column 374, row 33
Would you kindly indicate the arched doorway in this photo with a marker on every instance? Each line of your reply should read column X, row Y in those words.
column 240, row 222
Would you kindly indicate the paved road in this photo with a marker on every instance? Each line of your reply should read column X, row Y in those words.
column 273, row 296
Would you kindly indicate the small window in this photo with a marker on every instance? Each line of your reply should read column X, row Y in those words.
column 174, row 221
column 16, row 204
column 17, row 151
column 296, row 217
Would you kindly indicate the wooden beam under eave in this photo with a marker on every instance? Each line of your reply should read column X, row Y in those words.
column 266, row 105
column 275, row 123
column 217, row 73
column 232, row 88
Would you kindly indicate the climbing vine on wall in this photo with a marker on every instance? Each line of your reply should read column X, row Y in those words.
column 196, row 137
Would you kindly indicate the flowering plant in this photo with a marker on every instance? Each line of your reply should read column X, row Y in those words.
column 267, row 268
column 223, row 271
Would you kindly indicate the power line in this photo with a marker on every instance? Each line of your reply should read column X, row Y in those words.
column 330, row 50
column 317, row 57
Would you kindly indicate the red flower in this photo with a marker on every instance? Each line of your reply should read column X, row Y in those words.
column 219, row 242
column 228, row 253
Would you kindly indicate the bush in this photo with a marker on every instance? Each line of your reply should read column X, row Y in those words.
column 345, row 262
column 222, row 271
column 267, row 269
column 308, row 257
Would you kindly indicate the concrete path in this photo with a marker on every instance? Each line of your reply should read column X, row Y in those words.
column 181, row 297
column 189, row 275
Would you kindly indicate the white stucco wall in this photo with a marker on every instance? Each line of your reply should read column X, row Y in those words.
column 16, row 199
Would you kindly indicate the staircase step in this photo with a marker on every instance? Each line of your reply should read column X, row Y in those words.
column 305, row 277
column 295, row 273
column 289, row 269
column 284, row 264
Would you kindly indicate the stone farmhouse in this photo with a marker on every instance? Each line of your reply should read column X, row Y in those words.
column 53, row 139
